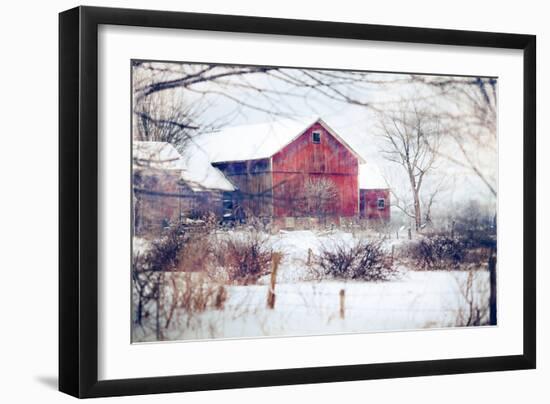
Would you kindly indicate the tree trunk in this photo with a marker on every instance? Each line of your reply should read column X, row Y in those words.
column 417, row 211
column 416, row 199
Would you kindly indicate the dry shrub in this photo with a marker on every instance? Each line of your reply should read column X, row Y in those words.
column 477, row 256
column 149, row 267
column 197, row 293
column 192, row 292
column 173, row 277
column 361, row 260
column 245, row 258
column 197, row 255
column 438, row 251
column 163, row 253
column 475, row 295
column 220, row 298
column 146, row 287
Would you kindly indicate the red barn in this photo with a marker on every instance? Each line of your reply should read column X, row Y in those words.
column 289, row 170
column 374, row 194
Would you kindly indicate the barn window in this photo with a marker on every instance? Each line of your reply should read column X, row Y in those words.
column 381, row 203
column 316, row 137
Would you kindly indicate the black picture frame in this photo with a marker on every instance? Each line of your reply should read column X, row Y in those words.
column 78, row 201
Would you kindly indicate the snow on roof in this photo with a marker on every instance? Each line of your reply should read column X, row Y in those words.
column 196, row 170
column 257, row 141
column 199, row 173
column 370, row 177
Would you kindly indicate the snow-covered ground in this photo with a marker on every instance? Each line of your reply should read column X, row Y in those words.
column 306, row 305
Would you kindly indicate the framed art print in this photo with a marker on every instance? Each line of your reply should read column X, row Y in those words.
column 250, row 201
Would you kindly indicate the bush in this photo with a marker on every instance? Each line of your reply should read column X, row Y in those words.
column 482, row 238
column 246, row 258
column 148, row 268
column 172, row 277
column 438, row 251
column 163, row 253
column 195, row 292
column 197, row 254
column 362, row 260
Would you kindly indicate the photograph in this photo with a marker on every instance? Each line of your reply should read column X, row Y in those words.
column 276, row 201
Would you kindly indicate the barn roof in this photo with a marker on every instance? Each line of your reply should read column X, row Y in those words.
column 258, row 141
column 196, row 170
column 370, row 177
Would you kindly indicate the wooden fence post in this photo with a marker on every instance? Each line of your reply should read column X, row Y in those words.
column 342, row 303
column 275, row 261
column 493, row 287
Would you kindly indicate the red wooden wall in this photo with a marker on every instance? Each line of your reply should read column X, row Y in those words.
column 303, row 159
column 369, row 204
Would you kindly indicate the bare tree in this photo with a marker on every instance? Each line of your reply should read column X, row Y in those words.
column 164, row 76
column 431, row 196
column 164, row 118
column 320, row 196
column 201, row 87
column 467, row 108
column 412, row 141
column 274, row 91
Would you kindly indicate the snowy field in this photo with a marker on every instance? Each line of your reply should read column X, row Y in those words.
column 308, row 305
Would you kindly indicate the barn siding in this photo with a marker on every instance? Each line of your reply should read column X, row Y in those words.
column 369, row 204
column 303, row 159
column 254, row 182
column 160, row 197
